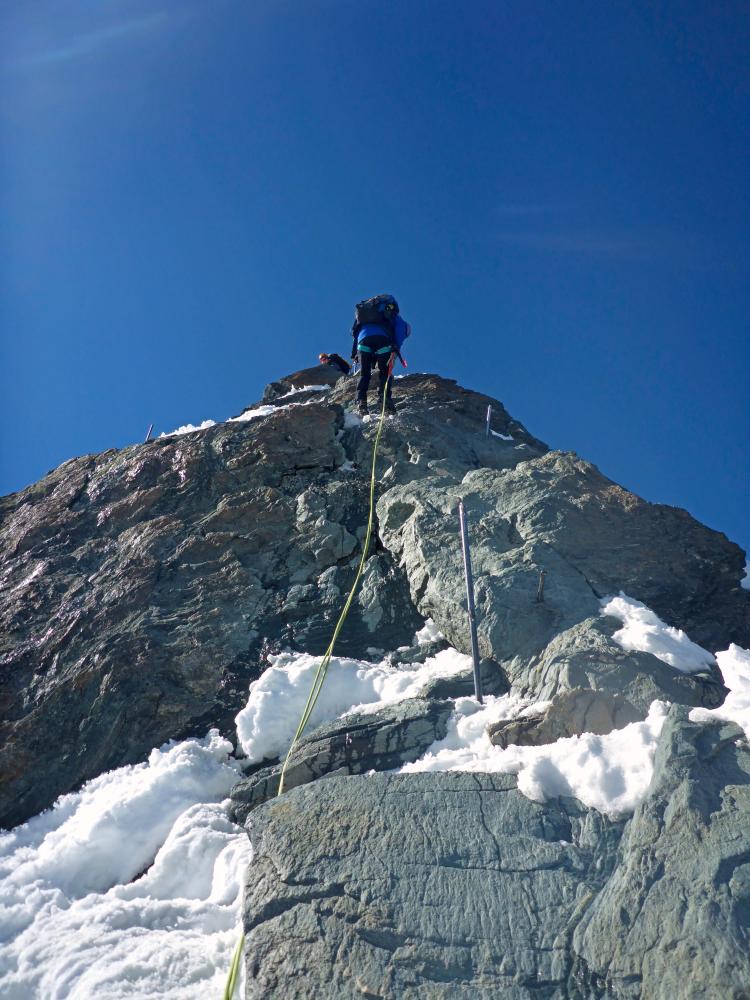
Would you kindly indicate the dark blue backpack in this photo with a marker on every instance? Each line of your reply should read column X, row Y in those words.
column 380, row 310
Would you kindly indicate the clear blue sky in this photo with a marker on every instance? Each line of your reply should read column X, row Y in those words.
column 194, row 193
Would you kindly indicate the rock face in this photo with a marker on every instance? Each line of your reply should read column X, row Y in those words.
column 674, row 918
column 560, row 515
column 570, row 713
column 456, row 885
column 143, row 588
column 141, row 591
column 435, row 886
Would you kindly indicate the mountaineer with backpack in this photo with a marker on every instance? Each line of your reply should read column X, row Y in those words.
column 378, row 333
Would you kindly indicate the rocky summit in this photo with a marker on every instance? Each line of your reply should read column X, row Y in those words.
column 142, row 590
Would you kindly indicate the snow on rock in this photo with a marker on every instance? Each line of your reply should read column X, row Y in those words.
column 609, row 773
column 189, row 428
column 266, row 410
column 745, row 581
column 505, row 437
column 304, row 388
column 351, row 420
column 259, row 411
column 266, row 725
column 428, row 633
column 130, row 887
column 734, row 664
column 645, row 632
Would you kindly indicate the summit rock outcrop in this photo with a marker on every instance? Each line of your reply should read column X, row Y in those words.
column 143, row 590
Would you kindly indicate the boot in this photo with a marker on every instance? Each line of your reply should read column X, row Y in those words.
column 362, row 405
column 389, row 407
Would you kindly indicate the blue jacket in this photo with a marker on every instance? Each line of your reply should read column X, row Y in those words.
column 401, row 331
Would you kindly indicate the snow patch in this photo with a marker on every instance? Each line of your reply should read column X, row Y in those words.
column 266, row 410
column 745, row 581
column 266, row 725
column 505, row 437
column 644, row 632
column 351, row 419
column 608, row 773
column 427, row 634
column 78, row 919
column 304, row 388
column 189, row 429
column 260, row 411
column 734, row 664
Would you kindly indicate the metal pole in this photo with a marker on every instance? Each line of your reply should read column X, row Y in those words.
column 488, row 421
column 148, row 432
column 470, row 601
column 540, row 588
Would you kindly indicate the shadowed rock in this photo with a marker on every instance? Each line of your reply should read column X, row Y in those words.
column 379, row 741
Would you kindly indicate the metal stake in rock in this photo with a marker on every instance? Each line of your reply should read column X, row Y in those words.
column 470, row 602
column 488, row 421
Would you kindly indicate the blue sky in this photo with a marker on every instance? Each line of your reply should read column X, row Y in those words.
column 194, row 194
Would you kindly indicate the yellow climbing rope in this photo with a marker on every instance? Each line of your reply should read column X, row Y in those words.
column 234, row 970
column 320, row 673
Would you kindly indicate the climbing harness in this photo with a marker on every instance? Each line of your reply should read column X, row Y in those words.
column 320, row 674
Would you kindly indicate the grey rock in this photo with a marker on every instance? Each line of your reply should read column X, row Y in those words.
column 592, row 538
column 492, row 676
column 570, row 713
column 455, row 885
column 295, row 383
column 586, row 656
column 420, row 885
column 674, row 919
column 378, row 741
column 142, row 589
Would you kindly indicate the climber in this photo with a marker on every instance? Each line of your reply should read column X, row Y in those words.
column 377, row 335
column 335, row 361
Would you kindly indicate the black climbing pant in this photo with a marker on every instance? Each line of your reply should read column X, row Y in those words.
column 368, row 361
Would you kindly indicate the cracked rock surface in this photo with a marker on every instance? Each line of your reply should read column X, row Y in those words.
column 454, row 885
column 380, row 741
column 437, row 886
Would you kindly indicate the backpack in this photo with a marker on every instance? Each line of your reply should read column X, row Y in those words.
column 380, row 310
